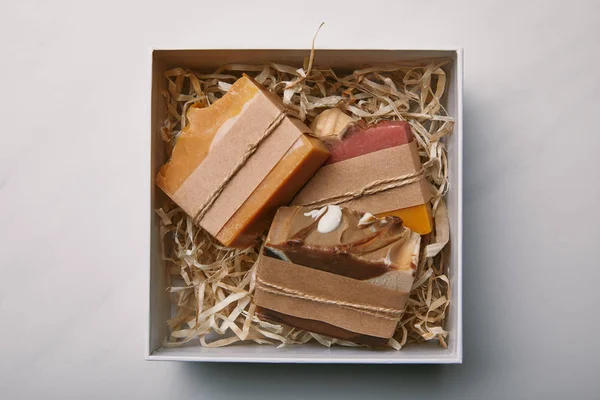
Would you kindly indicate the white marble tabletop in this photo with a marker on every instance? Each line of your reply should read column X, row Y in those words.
column 74, row 79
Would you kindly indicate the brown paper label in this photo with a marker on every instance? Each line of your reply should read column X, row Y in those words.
column 237, row 136
column 353, row 174
column 329, row 286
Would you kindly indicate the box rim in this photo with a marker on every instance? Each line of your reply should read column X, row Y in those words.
column 457, row 49
column 459, row 238
column 452, row 358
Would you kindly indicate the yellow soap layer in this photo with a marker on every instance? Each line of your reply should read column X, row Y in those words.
column 416, row 218
column 296, row 167
column 195, row 139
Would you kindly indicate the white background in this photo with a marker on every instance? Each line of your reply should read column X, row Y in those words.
column 74, row 106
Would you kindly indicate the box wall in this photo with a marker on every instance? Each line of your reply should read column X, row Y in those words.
column 158, row 297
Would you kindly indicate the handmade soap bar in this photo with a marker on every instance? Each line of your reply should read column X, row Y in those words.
column 214, row 143
column 337, row 272
column 346, row 242
column 354, row 141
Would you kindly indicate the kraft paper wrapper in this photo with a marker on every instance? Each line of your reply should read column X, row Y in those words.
column 332, row 287
column 353, row 174
column 244, row 130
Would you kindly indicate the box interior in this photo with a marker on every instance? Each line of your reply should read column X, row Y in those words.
column 160, row 306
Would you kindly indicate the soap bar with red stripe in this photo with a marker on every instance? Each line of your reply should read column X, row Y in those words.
column 356, row 141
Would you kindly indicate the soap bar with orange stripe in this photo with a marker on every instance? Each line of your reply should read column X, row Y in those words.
column 212, row 144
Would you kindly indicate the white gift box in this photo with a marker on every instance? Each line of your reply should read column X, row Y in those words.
column 159, row 302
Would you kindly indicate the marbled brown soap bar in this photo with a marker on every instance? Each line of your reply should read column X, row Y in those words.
column 355, row 257
column 346, row 242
